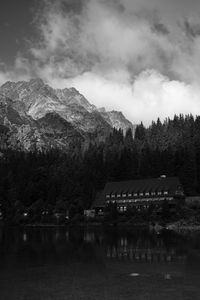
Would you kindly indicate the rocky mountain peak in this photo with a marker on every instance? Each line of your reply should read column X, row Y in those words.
column 37, row 82
column 73, row 90
column 102, row 110
column 70, row 96
column 37, row 110
column 117, row 119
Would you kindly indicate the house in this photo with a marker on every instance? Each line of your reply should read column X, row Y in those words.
column 140, row 193
column 61, row 215
column 89, row 213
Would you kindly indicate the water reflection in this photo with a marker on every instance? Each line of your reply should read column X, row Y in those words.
column 60, row 244
column 145, row 248
column 136, row 261
column 25, row 237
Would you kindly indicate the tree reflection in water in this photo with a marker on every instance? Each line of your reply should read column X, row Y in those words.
column 50, row 263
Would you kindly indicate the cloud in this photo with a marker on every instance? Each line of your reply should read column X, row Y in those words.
column 163, row 97
column 151, row 95
column 106, row 36
column 21, row 70
column 103, row 38
column 139, row 56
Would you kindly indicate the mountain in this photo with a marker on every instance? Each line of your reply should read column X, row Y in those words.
column 34, row 115
column 116, row 119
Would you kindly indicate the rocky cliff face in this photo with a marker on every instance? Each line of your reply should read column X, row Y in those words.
column 116, row 119
column 34, row 115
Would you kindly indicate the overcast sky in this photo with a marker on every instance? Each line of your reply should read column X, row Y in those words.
column 138, row 56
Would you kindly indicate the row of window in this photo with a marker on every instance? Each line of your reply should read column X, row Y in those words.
column 123, row 195
column 138, row 200
column 124, row 208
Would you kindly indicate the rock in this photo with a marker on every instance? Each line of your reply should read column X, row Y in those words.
column 34, row 115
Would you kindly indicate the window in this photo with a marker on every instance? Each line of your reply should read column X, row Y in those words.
column 141, row 194
column 122, row 208
column 135, row 194
column 165, row 192
column 153, row 193
column 124, row 195
column 107, row 195
column 129, row 194
column 147, row 194
column 118, row 195
column 159, row 193
column 113, row 196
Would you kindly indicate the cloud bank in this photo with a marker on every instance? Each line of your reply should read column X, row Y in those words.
column 139, row 56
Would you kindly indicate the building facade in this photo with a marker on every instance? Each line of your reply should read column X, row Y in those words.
column 140, row 193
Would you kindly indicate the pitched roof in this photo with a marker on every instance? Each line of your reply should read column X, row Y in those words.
column 169, row 184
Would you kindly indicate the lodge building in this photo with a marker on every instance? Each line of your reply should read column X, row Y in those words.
column 140, row 193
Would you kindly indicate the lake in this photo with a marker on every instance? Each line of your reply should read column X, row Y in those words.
column 60, row 263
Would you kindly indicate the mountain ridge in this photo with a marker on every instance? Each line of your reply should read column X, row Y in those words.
column 25, row 105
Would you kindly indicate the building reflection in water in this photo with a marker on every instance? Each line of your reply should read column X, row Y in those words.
column 89, row 236
column 67, row 244
column 151, row 248
column 124, row 257
column 25, row 237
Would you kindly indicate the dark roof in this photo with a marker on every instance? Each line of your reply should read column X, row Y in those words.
column 169, row 184
column 143, row 185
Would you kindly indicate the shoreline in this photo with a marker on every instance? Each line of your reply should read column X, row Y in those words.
column 157, row 228
column 179, row 226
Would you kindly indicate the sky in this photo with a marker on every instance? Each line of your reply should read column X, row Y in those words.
column 141, row 57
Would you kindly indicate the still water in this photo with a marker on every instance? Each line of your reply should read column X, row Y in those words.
column 58, row 263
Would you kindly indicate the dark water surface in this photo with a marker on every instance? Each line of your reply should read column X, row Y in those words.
column 58, row 263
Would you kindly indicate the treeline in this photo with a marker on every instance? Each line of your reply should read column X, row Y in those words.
column 57, row 181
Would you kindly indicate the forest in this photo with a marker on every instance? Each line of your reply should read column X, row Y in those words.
column 57, row 181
